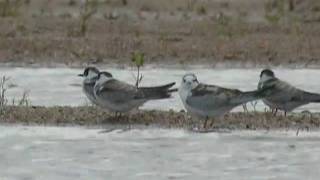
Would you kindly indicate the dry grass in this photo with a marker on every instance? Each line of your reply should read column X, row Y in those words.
column 88, row 116
column 169, row 32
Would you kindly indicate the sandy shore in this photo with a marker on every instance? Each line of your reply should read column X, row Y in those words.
column 92, row 116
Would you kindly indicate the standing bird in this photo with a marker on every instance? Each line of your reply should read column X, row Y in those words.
column 90, row 76
column 118, row 96
column 282, row 95
column 212, row 101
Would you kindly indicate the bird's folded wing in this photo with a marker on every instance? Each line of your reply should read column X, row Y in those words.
column 210, row 96
column 117, row 91
column 306, row 97
column 204, row 89
column 281, row 91
column 290, row 93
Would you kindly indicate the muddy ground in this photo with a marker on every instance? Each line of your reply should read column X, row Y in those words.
column 93, row 116
column 241, row 33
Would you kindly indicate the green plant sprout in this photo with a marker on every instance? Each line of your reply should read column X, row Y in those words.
column 138, row 59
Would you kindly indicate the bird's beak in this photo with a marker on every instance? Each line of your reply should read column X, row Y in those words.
column 81, row 75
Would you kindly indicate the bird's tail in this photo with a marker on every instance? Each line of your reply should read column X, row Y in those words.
column 311, row 97
column 248, row 96
column 158, row 92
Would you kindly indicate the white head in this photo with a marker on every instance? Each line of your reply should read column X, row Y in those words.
column 90, row 74
column 189, row 81
column 104, row 77
column 266, row 74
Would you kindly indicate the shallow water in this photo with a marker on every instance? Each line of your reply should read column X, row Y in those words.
column 60, row 86
column 78, row 153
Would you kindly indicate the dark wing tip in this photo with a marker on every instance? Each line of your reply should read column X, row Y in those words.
column 169, row 85
column 172, row 90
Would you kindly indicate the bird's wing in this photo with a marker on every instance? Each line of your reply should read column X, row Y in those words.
column 117, row 91
column 156, row 92
column 310, row 97
column 205, row 89
column 283, row 92
column 210, row 96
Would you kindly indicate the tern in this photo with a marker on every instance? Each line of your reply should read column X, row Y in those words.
column 284, row 96
column 90, row 76
column 203, row 100
column 121, row 97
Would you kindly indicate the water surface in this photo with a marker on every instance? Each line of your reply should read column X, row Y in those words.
column 78, row 153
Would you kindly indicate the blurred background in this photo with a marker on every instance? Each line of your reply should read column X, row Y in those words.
column 81, row 32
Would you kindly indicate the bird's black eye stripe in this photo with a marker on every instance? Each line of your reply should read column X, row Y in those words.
column 184, row 80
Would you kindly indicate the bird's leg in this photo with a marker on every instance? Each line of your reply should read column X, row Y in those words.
column 119, row 116
column 129, row 122
column 285, row 113
column 115, row 115
column 205, row 123
column 274, row 113
column 211, row 124
column 245, row 109
column 192, row 123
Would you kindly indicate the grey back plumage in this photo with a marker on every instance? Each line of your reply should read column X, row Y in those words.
column 211, row 100
column 122, row 97
column 284, row 96
column 121, row 92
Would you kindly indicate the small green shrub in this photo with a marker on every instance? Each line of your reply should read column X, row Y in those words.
column 138, row 59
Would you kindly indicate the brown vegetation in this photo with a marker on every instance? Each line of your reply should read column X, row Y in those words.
column 270, row 32
column 90, row 116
